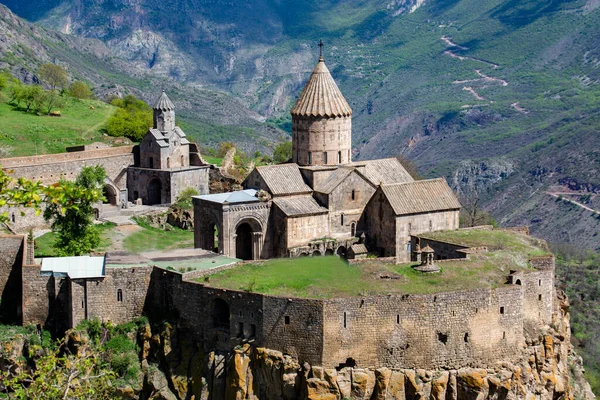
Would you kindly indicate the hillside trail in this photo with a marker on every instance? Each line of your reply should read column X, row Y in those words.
column 559, row 195
column 119, row 234
column 483, row 82
column 95, row 127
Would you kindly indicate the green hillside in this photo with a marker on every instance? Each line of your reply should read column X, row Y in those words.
column 26, row 133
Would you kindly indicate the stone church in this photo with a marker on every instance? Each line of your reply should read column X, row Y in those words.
column 322, row 202
column 168, row 163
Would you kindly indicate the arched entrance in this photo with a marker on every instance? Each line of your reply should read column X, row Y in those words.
column 341, row 251
column 316, row 253
column 243, row 241
column 219, row 314
column 110, row 195
column 154, row 191
column 329, row 252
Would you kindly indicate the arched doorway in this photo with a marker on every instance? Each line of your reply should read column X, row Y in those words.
column 154, row 191
column 329, row 252
column 341, row 251
column 243, row 241
column 110, row 195
column 215, row 237
column 353, row 229
column 219, row 314
column 316, row 253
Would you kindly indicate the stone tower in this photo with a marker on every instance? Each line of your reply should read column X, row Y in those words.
column 164, row 114
column 321, row 122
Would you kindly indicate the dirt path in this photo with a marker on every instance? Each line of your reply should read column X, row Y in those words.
column 520, row 109
column 95, row 127
column 559, row 196
column 119, row 234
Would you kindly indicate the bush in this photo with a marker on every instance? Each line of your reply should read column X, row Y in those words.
column 79, row 90
column 282, row 152
column 224, row 147
column 131, row 120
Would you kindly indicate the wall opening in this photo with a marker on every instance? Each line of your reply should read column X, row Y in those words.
column 540, row 282
column 309, row 157
column 442, row 337
column 518, row 282
column 151, row 159
column 540, row 297
column 503, row 335
column 345, row 320
column 467, row 337
column 342, row 219
column 110, row 195
column 119, row 295
column 341, row 251
column 220, row 315
column 430, row 225
column 252, row 330
column 501, row 310
column 136, row 195
column 329, row 252
column 339, row 157
column 316, row 253
column 243, row 242
column 353, row 229
column 324, row 157
column 168, row 162
column 240, row 331
column 286, row 319
column 398, row 319
column 353, row 194
column 154, row 191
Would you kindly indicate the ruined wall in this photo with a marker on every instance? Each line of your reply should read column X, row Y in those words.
column 52, row 167
column 538, row 288
column 444, row 330
column 12, row 253
column 407, row 225
column 379, row 224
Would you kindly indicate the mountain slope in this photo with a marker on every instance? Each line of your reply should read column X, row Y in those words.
column 497, row 94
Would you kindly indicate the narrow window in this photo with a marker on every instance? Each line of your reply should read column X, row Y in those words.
column 352, row 229
column 241, row 314
column 151, row 162
column 353, row 194
column 540, row 297
column 342, row 219
column 252, row 330
column 13, row 218
column 287, row 319
column 430, row 226
column 136, row 195
column 119, row 295
column 467, row 337
column 309, row 157
column 324, row 157
column 240, row 329
column 501, row 310
column 398, row 318
column 503, row 335
column 540, row 282
column 409, row 228
column 442, row 337
column 168, row 162
column 345, row 325
column 182, row 161
column 339, row 157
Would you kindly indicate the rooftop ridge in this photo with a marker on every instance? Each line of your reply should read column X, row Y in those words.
column 164, row 103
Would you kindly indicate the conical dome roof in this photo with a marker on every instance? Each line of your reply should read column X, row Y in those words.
column 321, row 96
column 164, row 103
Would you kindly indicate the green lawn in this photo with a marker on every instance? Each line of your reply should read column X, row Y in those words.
column 213, row 160
column 326, row 277
column 30, row 134
column 151, row 238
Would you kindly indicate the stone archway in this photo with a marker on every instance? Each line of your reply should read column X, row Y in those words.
column 341, row 251
column 110, row 194
column 154, row 191
column 220, row 315
column 248, row 239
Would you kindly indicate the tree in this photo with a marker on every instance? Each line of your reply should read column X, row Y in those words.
column 282, row 152
column 33, row 96
column 22, row 192
column 471, row 213
column 54, row 75
column 132, row 119
column 76, row 233
column 80, row 90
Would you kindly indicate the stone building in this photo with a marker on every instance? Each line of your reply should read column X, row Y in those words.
column 166, row 164
column 316, row 205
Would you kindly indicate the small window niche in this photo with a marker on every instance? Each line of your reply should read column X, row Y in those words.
column 501, row 310
column 286, row 319
column 119, row 295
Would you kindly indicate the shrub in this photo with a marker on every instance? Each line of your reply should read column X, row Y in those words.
column 79, row 90
column 282, row 152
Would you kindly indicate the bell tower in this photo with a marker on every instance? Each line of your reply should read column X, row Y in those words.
column 321, row 121
column 164, row 114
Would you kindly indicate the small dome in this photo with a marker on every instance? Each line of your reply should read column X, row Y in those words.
column 321, row 96
column 164, row 103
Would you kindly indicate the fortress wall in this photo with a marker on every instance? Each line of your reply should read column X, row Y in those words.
column 101, row 295
column 301, row 335
column 449, row 330
column 36, row 294
column 197, row 178
column 12, row 253
column 50, row 168
column 539, row 290
column 443, row 250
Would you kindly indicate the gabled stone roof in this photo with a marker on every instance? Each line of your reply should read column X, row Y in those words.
column 283, row 179
column 421, row 196
column 296, row 206
column 334, row 180
column 164, row 103
column 321, row 97
column 383, row 171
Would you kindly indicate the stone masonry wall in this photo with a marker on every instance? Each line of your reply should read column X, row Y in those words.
column 316, row 136
column 301, row 230
column 341, row 201
column 12, row 251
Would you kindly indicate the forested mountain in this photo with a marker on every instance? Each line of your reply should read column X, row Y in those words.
column 499, row 95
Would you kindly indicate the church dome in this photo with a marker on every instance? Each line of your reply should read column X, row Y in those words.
column 164, row 103
column 321, row 96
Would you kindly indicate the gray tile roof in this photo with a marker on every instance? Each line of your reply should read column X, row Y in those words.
column 283, row 179
column 421, row 196
column 321, row 97
column 240, row 196
column 296, row 206
column 336, row 177
column 383, row 171
column 359, row 248
column 164, row 103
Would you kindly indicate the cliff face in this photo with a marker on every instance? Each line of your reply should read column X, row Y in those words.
column 548, row 369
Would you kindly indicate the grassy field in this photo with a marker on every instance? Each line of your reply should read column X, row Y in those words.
column 30, row 134
column 151, row 238
column 326, row 277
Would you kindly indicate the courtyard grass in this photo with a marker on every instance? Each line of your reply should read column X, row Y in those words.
column 151, row 238
column 329, row 277
column 44, row 245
